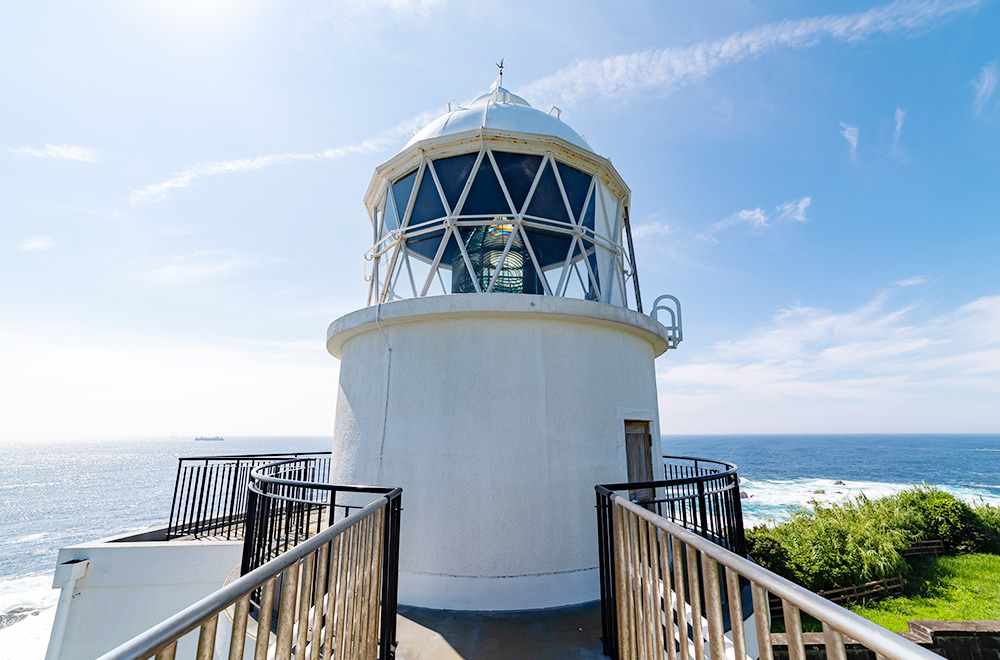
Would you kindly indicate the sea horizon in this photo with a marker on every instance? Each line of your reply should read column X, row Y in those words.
column 75, row 491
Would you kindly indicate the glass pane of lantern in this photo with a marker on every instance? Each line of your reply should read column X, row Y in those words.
column 425, row 246
column 588, row 216
column 428, row 205
column 518, row 171
column 461, row 278
column 576, row 184
column 401, row 194
column 452, row 174
column 547, row 202
column 593, row 293
column 575, row 281
column 441, row 282
column 549, row 245
column 485, row 196
column 391, row 219
column 419, row 270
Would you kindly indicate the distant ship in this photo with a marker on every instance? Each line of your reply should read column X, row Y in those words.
column 214, row 438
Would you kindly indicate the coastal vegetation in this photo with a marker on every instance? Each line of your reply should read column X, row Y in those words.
column 838, row 545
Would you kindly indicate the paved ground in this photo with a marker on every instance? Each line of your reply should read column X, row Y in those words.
column 573, row 633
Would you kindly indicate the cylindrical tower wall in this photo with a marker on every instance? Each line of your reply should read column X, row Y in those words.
column 497, row 415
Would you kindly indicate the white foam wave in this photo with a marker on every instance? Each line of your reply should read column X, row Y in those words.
column 33, row 591
column 29, row 637
column 770, row 500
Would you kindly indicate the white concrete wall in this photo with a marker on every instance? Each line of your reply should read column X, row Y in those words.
column 131, row 586
column 497, row 414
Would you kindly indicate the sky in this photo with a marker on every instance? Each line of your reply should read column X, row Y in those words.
column 181, row 189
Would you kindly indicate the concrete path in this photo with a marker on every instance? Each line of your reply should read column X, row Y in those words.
column 573, row 633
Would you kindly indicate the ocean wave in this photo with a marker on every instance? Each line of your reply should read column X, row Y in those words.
column 772, row 500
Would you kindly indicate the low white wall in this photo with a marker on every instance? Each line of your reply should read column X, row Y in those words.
column 497, row 414
column 129, row 587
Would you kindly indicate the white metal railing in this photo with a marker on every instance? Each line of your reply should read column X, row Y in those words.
column 662, row 569
column 327, row 592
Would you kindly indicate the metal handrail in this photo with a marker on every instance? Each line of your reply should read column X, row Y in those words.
column 837, row 621
column 207, row 609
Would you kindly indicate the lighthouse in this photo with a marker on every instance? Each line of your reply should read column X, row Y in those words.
column 502, row 365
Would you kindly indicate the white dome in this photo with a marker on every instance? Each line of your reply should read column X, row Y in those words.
column 500, row 110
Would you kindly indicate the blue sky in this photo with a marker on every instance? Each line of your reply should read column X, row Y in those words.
column 181, row 184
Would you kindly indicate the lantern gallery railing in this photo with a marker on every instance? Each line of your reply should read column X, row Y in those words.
column 210, row 492
column 330, row 594
column 665, row 576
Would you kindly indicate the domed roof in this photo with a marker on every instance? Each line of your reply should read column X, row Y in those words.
column 500, row 110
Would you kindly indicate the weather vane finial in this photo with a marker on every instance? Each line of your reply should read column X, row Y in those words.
column 500, row 65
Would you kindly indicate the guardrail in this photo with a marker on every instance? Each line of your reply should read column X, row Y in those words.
column 210, row 492
column 330, row 594
column 289, row 501
column 698, row 494
column 663, row 572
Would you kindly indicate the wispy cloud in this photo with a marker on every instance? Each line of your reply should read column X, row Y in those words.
column 35, row 243
column 664, row 71
column 985, row 84
column 911, row 281
column 850, row 134
column 60, row 152
column 160, row 192
column 360, row 22
column 759, row 219
column 900, row 118
column 196, row 267
column 880, row 357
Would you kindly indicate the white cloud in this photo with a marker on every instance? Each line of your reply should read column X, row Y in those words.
column 760, row 219
column 159, row 192
column 649, row 230
column 60, row 152
column 35, row 243
column 794, row 210
column 812, row 369
column 850, row 134
column 985, row 85
column 900, row 118
column 664, row 71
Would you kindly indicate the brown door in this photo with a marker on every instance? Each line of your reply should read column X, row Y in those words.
column 639, row 456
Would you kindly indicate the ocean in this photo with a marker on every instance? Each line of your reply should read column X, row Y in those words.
column 56, row 494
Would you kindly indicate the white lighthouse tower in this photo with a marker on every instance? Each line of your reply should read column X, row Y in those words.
column 498, row 372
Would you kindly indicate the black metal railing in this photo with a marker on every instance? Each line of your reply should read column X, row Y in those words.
column 287, row 505
column 210, row 492
column 699, row 494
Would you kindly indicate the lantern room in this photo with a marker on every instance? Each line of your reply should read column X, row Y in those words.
column 498, row 197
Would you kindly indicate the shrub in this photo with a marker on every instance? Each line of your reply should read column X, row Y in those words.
column 838, row 545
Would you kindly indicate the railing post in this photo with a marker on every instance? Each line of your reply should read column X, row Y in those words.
column 702, row 505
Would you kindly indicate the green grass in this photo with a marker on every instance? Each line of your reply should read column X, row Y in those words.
column 959, row 588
